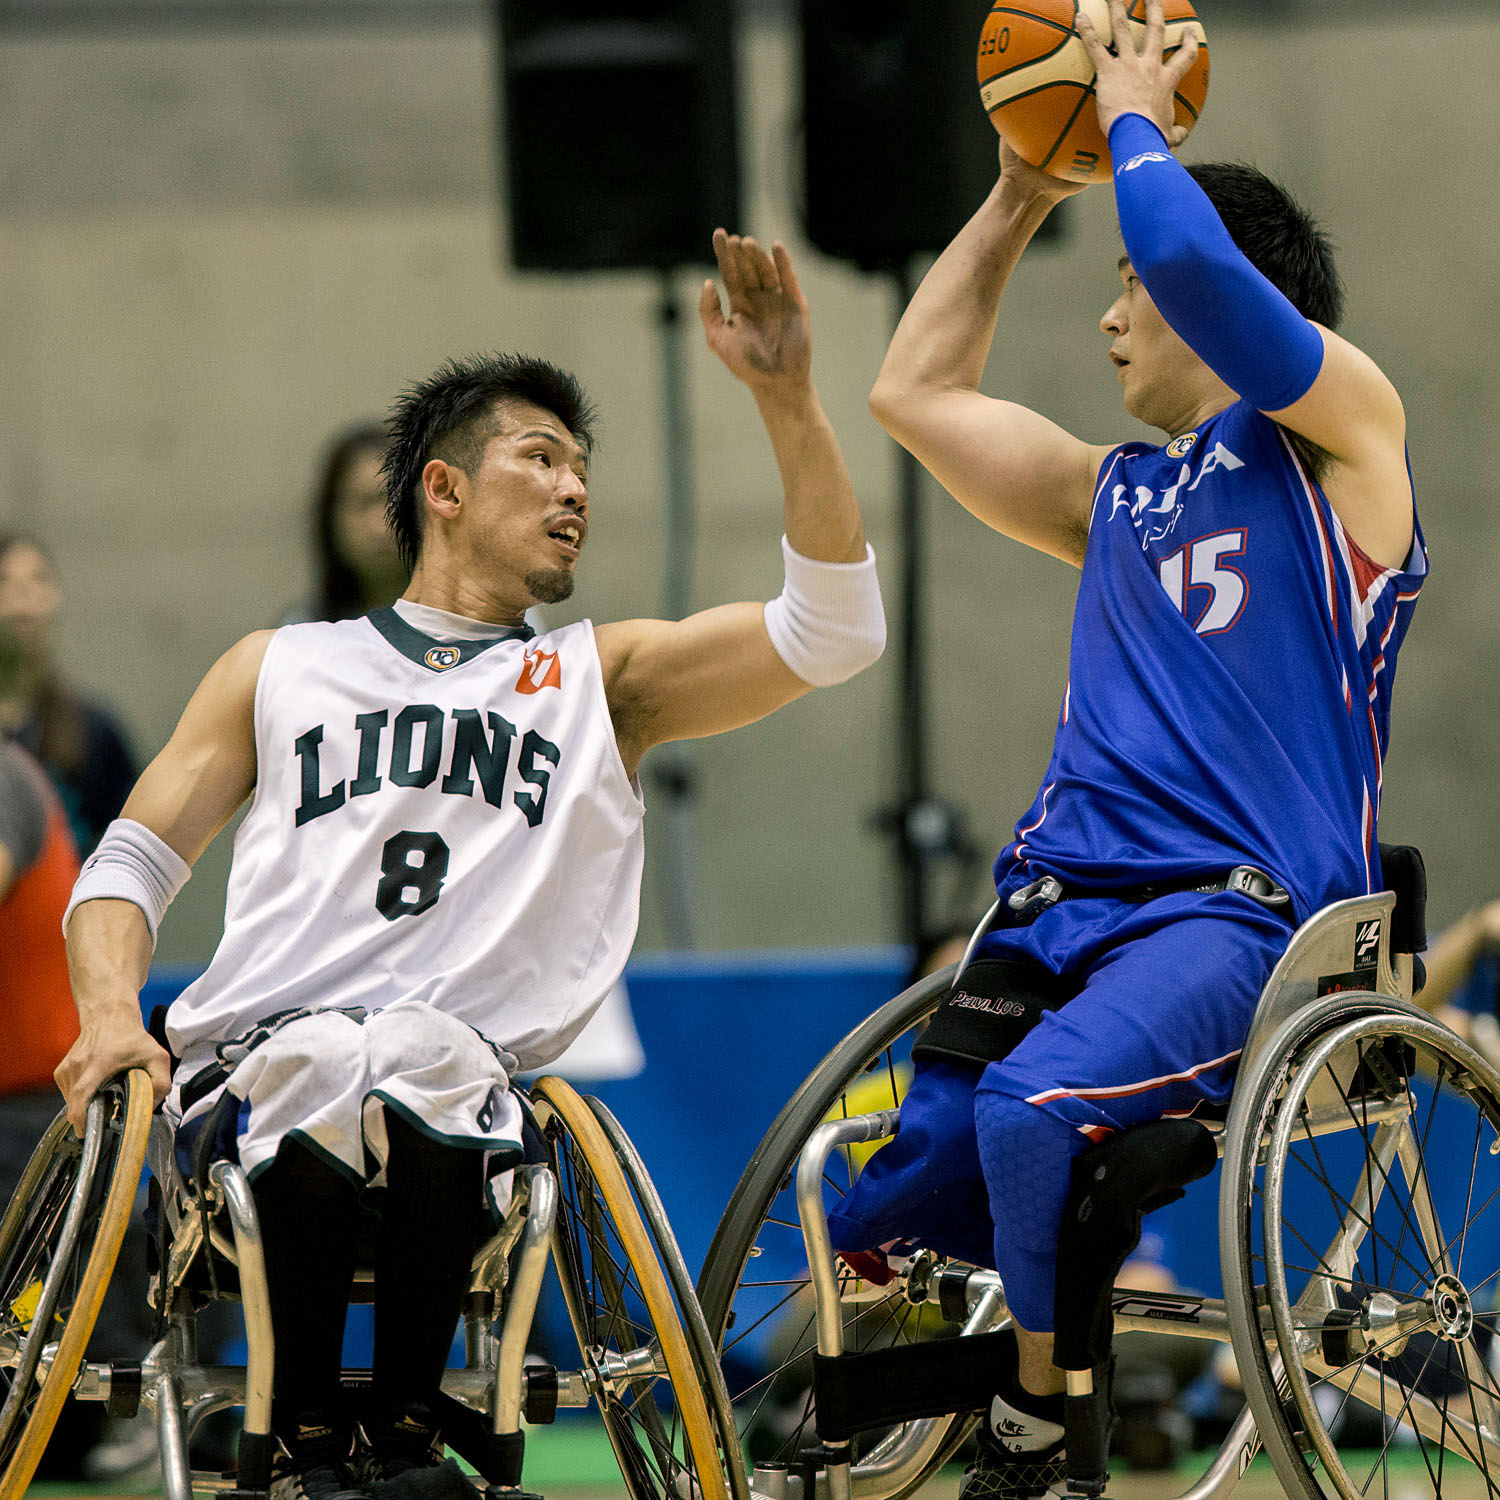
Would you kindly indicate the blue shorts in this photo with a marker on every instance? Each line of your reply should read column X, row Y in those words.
column 980, row 1169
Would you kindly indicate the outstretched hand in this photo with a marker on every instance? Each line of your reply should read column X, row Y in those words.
column 1137, row 82
column 765, row 339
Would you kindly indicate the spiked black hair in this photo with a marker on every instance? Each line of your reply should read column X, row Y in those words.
column 453, row 414
column 1278, row 237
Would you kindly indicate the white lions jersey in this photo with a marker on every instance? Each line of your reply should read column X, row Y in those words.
column 442, row 821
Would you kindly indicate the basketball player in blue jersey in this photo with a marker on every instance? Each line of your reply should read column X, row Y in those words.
column 1216, row 773
column 438, row 877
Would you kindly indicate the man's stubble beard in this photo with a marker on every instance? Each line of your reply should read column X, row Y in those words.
column 550, row 585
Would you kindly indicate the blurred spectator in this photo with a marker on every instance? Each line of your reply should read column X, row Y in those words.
column 38, row 865
column 1463, row 978
column 356, row 565
column 78, row 742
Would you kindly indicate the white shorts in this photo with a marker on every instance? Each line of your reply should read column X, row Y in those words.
column 327, row 1078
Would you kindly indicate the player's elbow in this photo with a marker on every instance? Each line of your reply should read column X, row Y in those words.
column 863, row 647
column 842, row 653
column 907, row 415
column 891, row 402
column 829, row 639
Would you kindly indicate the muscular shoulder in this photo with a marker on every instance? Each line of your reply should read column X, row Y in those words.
column 622, row 645
column 227, row 691
column 616, row 642
column 237, row 672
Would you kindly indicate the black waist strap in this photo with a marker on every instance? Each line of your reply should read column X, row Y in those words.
column 1028, row 903
column 1245, row 879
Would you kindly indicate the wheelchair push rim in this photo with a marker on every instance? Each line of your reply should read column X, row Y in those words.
column 623, row 1313
column 59, row 1240
column 755, row 1287
column 1368, row 1234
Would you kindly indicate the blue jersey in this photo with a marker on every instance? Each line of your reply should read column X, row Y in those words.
column 1230, row 676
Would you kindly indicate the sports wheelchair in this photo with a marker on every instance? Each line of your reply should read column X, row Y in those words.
column 646, row 1359
column 1358, row 1205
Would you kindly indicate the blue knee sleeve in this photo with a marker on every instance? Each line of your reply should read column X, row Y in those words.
column 1027, row 1155
column 1226, row 312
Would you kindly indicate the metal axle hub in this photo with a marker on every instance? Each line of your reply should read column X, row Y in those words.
column 1452, row 1309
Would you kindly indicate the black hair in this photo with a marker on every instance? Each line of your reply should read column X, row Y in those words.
column 340, row 593
column 452, row 415
column 1285, row 244
column 1278, row 237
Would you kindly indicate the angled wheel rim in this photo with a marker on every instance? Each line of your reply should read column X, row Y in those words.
column 554, row 1097
column 133, row 1125
column 1409, row 1405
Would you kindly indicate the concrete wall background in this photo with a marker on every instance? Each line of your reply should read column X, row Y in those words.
column 216, row 248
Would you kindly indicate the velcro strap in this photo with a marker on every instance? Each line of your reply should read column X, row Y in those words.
column 855, row 1392
column 124, row 1389
column 992, row 1005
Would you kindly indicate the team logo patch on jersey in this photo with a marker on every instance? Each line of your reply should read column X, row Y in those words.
column 440, row 658
column 539, row 669
column 1182, row 446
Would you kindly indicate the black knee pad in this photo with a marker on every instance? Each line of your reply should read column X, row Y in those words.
column 1114, row 1185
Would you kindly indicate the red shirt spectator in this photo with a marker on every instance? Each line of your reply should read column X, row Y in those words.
column 38, row 865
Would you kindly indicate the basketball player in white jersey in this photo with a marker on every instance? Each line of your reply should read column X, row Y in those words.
column 438, row 877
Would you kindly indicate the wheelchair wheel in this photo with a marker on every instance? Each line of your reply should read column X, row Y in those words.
column 1360, row 1238
column 58, row 1242
column 675, row 1269
column 755, row 1289
column 639, row 1360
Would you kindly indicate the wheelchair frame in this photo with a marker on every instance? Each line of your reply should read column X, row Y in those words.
column 1297, row 1084
column 590, row 1206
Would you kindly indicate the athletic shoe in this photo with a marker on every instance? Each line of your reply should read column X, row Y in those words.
column 405, row 1461
column 317, row 1463
column 997, row 1474
column 315, row 1481
column 439, row 1480
column 1018, row 1455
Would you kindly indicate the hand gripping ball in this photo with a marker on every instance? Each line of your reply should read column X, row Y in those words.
column 1037, row 81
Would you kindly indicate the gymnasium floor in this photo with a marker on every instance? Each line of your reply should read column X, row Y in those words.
column 575, row 1463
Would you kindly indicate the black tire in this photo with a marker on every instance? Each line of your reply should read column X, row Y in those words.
column 1330, row 1252
column 771, row 1387
column 648, row 1381
column 59, row 1238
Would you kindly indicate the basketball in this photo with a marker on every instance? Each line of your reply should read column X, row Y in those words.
column 1037, row 81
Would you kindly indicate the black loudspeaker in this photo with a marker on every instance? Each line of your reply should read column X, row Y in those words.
column 620, row 131
column 899, row 151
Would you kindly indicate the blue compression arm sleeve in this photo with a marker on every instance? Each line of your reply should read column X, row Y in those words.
column 1227, row 313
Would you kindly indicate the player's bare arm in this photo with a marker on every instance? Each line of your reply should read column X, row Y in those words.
column 718, row 669
column 1351, row 410
column 184, row 797
column 1014, row 469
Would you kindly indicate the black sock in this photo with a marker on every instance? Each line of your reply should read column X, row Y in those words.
column 430, row 1225
column 1049, row 1408
column 309, row 1216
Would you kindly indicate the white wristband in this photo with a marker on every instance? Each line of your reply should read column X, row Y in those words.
column 828, row 622
column 131, row 864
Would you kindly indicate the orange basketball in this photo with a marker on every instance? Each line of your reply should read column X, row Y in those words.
column 1037, row 82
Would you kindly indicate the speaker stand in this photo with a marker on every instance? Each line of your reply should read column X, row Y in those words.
column 672, row 771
